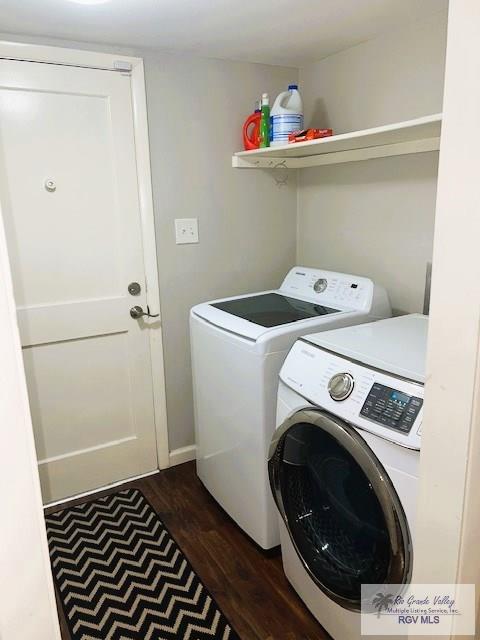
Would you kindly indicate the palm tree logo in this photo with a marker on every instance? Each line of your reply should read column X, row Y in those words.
column 382, row 601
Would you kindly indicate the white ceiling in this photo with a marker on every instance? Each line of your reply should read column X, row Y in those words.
column 291, row 32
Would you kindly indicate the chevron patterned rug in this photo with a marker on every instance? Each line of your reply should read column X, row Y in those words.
column 121, row 576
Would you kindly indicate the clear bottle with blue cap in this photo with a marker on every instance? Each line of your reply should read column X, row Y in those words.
column 286, row 115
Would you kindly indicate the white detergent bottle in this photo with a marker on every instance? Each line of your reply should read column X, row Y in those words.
column 286, row 115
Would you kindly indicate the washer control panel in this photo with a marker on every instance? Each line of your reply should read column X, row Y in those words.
column 369, row 399
column 392, row 408
column 329, row 288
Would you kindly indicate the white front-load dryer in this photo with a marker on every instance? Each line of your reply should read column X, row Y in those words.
column 238, row 346
column 343, row 463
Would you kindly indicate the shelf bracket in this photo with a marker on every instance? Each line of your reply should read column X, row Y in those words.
column 240, row 162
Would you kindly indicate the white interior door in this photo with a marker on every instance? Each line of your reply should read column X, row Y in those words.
column 72, row 218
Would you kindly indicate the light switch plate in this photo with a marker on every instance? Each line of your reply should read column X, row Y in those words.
column 186, row 230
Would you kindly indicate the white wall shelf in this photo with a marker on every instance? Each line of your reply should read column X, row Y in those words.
column 412, row 136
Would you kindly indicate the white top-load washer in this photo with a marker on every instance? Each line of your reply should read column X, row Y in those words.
column 343, row 463
column 238, row 346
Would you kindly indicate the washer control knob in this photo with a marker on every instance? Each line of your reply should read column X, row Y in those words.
column 340, row 386
column 320, row 285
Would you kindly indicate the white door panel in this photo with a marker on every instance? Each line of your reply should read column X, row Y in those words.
column 96, row 382
column 74, row 250
column 32, row 159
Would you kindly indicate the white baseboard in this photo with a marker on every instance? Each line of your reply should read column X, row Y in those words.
column 177, row 456
column 107, row 486
column 184, row 454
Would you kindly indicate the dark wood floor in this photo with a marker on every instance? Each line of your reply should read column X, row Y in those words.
column 248, row 584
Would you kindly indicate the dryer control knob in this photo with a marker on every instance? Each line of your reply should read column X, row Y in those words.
column 340, row 386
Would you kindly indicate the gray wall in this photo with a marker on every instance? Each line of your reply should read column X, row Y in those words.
column 247, row 224
column 374, row 218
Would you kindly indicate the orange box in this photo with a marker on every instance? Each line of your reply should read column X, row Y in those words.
column 309, row 134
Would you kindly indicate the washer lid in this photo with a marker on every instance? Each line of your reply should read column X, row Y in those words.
column 397, row 345
column 253, row 315
column 272, row 309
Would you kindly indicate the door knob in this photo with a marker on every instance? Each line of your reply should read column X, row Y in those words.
column 137, row 312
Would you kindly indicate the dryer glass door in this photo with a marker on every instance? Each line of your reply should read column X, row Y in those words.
column 341, row 510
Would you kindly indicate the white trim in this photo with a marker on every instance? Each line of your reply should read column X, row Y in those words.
column 28, row 598
column 142, row 147
column 91, row 59
column 184, row 454
column 107, row 486
column 59, row 55
column 446, row 548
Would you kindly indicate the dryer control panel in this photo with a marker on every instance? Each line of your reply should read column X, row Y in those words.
column 390, row 407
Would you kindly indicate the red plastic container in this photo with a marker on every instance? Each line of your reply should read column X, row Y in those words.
column 251, row 131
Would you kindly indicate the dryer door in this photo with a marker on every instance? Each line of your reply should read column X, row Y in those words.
column 341, row 510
